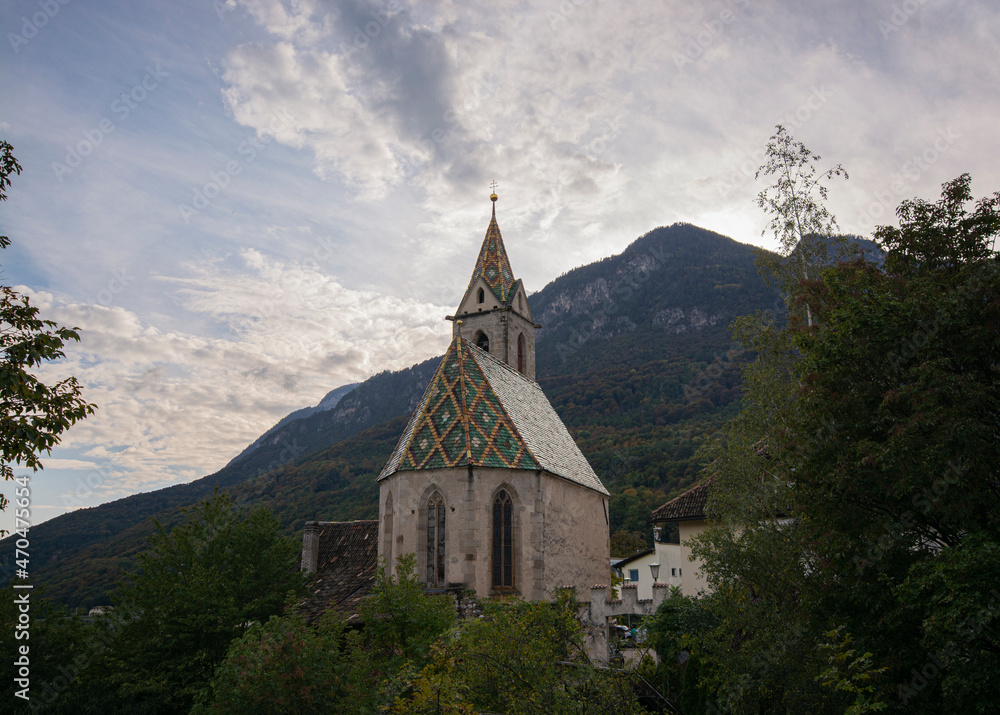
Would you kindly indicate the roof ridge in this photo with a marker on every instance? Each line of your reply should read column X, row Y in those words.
column 402, row 449
column 505, row 366
column 464, row 408
column 503, row 407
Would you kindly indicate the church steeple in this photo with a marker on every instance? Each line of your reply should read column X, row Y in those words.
column 495, row 309
column 493, row 265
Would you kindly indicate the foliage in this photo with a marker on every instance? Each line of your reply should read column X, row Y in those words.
column 850, row 672
column 804, row 227
column 401, row 622
column 281, row 666
column 676, row 632
column 856, row 489
column 626, row 543
column 199, row 586
column 519, row 658
column 33, row 415
column 56, row 641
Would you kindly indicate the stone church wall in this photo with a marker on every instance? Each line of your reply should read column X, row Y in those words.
column 560, row 528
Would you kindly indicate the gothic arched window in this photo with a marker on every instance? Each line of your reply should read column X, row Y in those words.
column 387, row 531
column 520, row 353
column 435, row 541
column 503, row 541
column 481, row 297
column 482, row 341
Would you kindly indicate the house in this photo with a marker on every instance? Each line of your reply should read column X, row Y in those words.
column 687, row 512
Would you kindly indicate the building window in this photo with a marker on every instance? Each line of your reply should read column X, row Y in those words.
column 520, row 353
column 481, row 296
column 673, row 572
column 633, row 575
column 435, row 541
column 387, row 531
column 503, row 541
column 482, row 341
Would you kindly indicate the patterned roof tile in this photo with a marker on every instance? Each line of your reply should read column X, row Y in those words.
column 493, row 264
column 479, row 411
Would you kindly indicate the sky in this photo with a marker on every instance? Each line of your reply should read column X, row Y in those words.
column 244, row 204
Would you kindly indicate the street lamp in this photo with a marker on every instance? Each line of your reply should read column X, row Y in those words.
column 655, row 570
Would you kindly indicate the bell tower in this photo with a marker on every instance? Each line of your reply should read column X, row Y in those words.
column 494, row 313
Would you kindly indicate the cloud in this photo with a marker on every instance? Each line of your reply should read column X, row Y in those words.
column 176, row 406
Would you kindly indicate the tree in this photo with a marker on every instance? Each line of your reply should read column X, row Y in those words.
column 519, row 658
column 33, row 415
column 857, row 491
column 282, row 666
column 804, row 227
column 199, row 586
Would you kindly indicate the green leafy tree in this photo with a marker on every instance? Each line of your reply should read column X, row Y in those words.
column 282, row 666
column 33, row 415
column 796, row 203
column 856, row 490
column 199, row 586
column 519, row 658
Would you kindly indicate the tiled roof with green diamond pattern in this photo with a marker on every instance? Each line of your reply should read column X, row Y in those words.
column 493, row 264
column 479, row 411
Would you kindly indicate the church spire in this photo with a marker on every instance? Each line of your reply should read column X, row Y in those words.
column 493, row 264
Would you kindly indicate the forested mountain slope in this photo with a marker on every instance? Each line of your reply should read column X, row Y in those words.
column 634, row 354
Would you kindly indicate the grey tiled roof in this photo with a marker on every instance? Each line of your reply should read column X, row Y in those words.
column 345, row 567
column 689, row 505
column 537, row 421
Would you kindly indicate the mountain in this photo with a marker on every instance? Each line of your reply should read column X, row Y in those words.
column 57, row 542
column 634, row 354
column 329, row 401
column 671, row 293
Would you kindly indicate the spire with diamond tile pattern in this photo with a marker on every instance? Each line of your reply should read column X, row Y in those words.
column 493, row 264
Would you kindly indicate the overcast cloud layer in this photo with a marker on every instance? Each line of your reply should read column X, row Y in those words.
column 247, row 203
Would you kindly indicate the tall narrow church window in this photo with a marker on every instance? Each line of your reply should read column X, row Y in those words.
column 503, row 541
column 482, row 341
column 481, row 298
column 520, row 353
column 435, row 541
column 387, row 530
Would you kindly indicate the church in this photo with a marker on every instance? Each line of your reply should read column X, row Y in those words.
column 486, row 486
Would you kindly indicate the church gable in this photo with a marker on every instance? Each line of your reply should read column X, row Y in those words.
column 479, row 411
column 479, row 298
column 460, row 422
